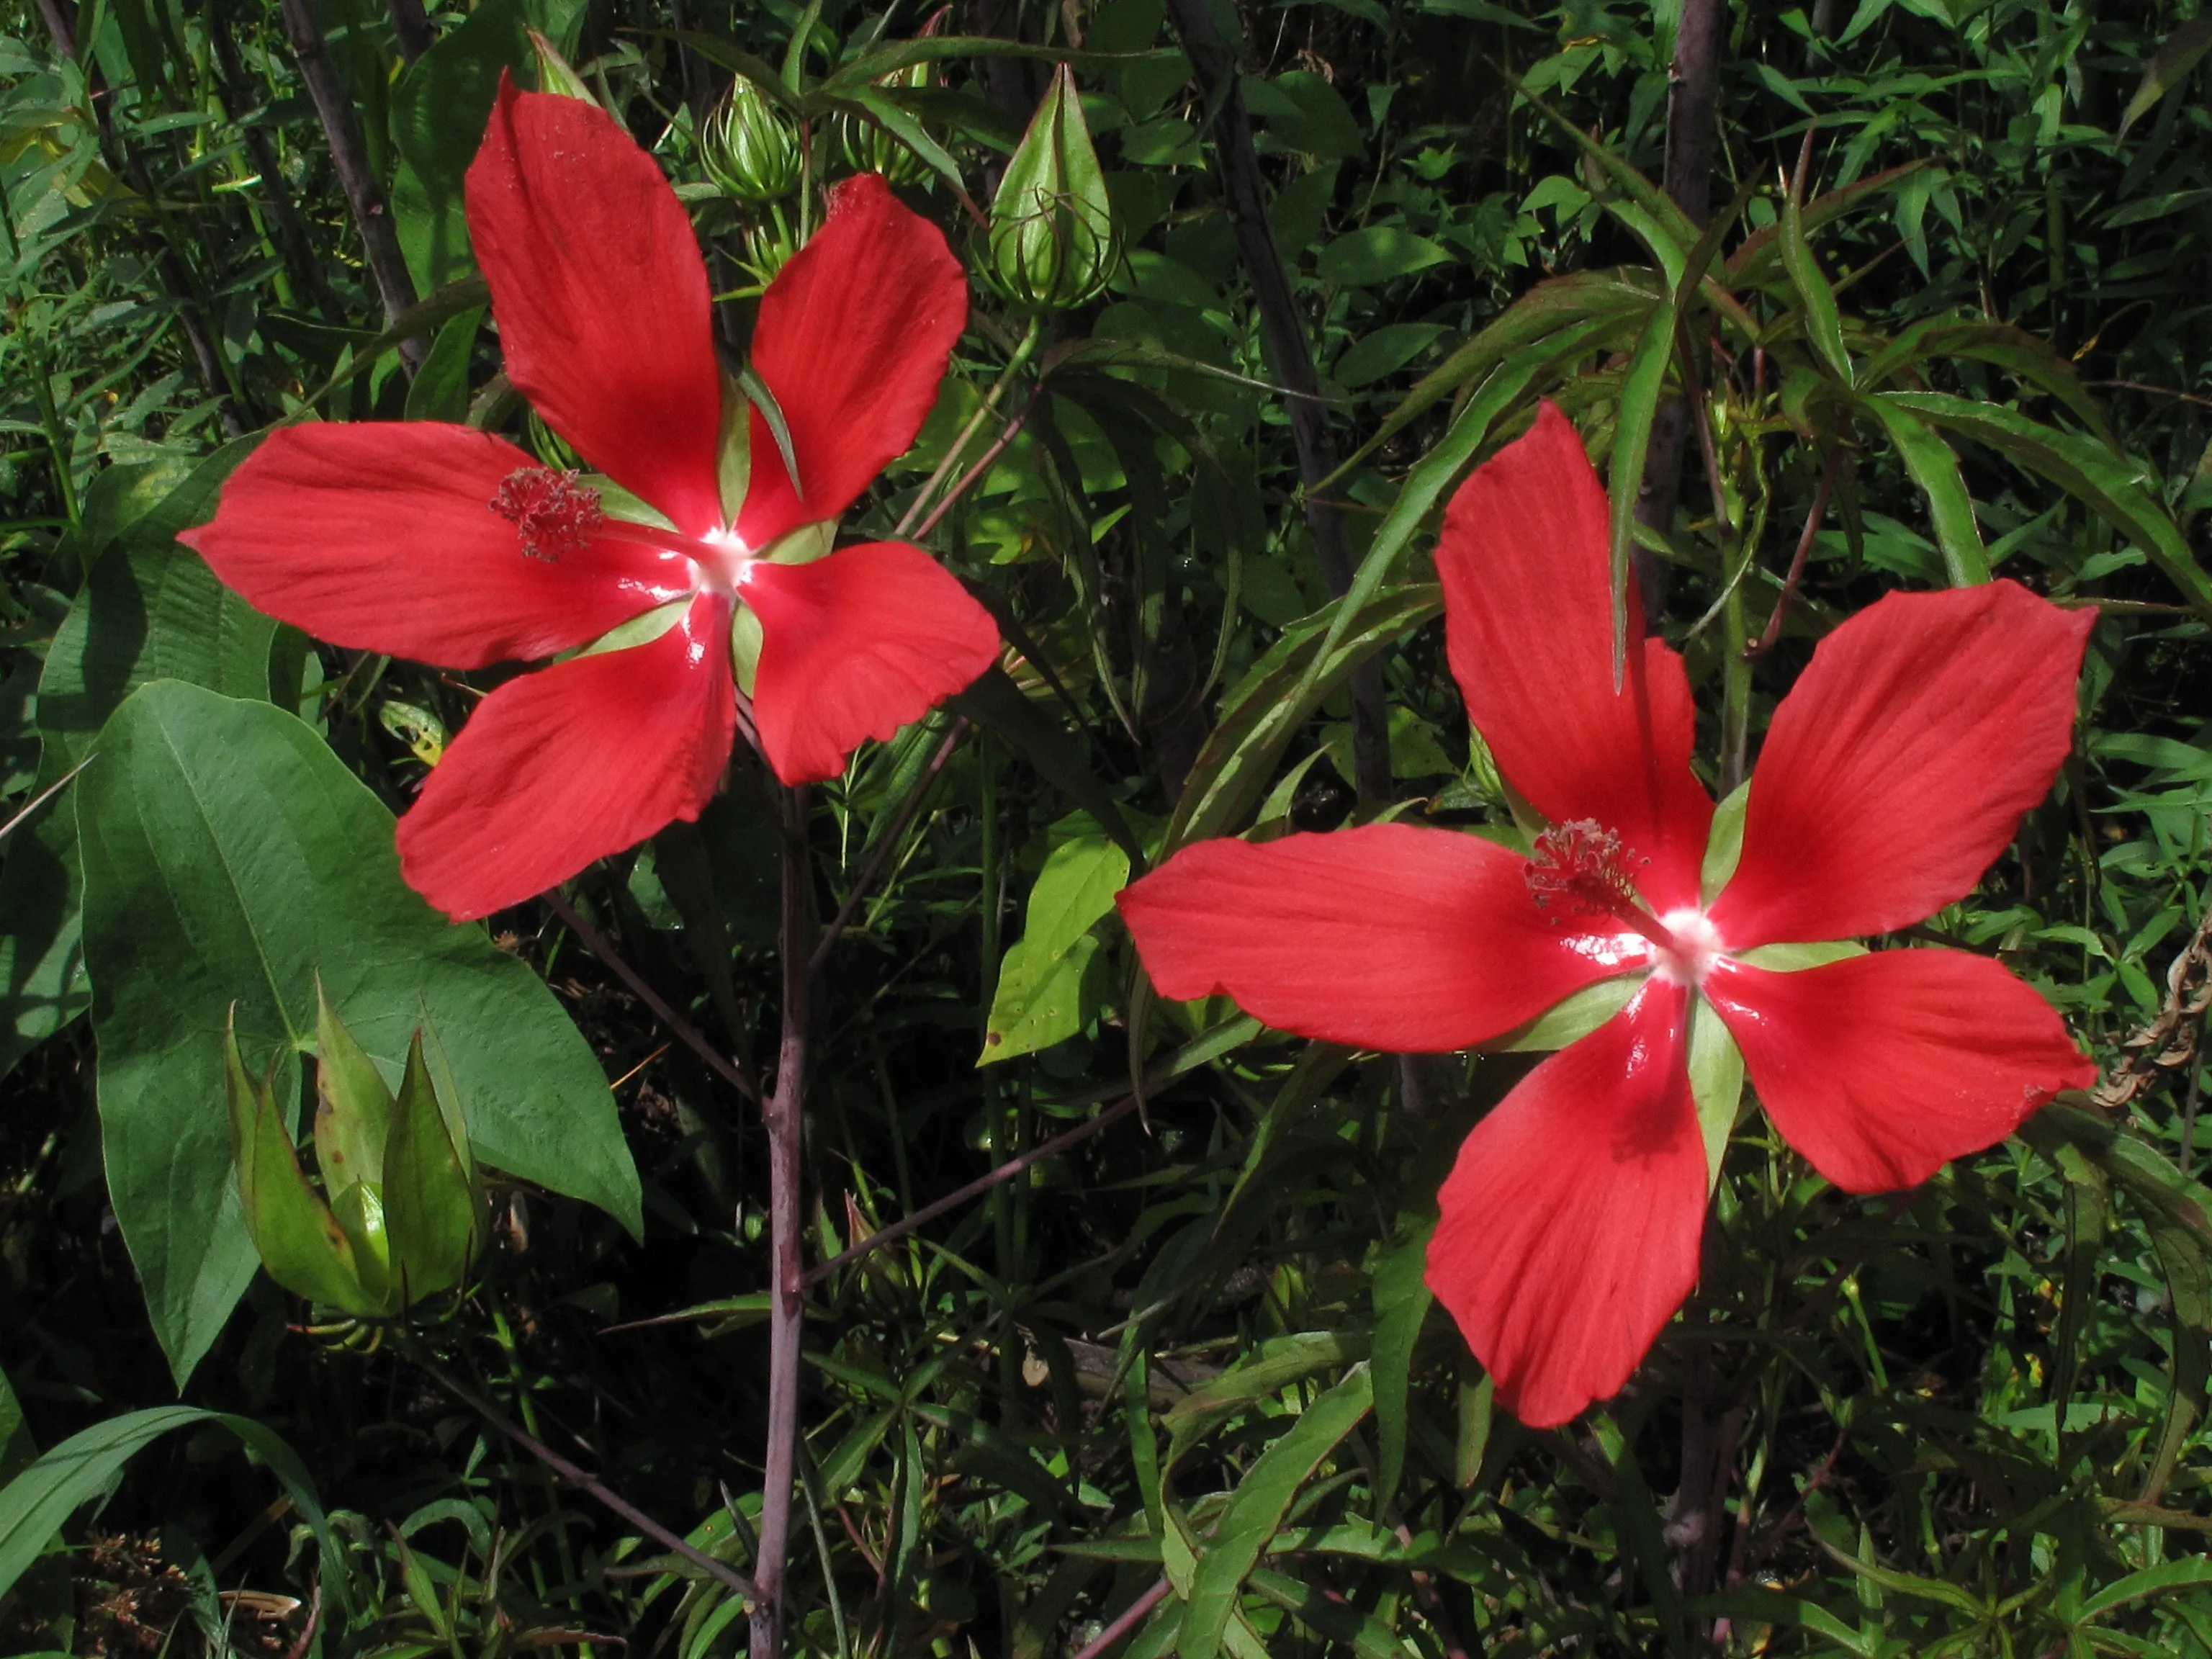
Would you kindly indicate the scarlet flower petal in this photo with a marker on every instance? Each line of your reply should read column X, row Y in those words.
column 1897, row 768
column 1529, row 631
column 573, row 762
column 382, row 536
column 601, row 298
column 1570, row 1224
column 1389, row 936
column 852, row 339
column 1882, row 1069
column 856, row 646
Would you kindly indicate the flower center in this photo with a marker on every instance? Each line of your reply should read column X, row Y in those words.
column 554, row 513
column 1581, row 868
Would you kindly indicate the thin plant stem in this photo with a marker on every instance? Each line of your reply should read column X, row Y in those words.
column 721, row 1571
column 1126, row 1621
column 728, row 1068
column 975, row 474
column 1015, row 364
column 1773, row 635
column 1001, row 1172
column 787, row 1304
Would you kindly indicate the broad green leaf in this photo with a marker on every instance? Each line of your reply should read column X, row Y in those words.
column 432, row 1210
column 18, row 1450
column 1257, row 1510
column 440, row 389
column 35, row 1504
column 1377, row 254
column 439, row 110
column 293, row 1230
column 230, row 856
column 1040, row 1000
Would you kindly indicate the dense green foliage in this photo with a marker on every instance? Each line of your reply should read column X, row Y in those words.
column 1956, row 295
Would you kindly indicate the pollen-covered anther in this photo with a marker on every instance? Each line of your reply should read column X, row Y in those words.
column 554, row 513
column 1582, row 867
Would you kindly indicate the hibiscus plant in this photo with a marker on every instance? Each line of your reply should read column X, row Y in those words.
column 1013, row 830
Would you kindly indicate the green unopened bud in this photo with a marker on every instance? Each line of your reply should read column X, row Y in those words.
column 554, row 74
column 750, row 148
column 866, row 145
column 1053, row 245
column 399, row 1214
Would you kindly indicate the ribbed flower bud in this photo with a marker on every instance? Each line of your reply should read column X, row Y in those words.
column 1053, row 245
column 866, row 147
column 749, row 146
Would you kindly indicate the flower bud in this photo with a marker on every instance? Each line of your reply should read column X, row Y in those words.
column 554, row 73
column 398, row 1214
column 1053, row 244
column 749, row 146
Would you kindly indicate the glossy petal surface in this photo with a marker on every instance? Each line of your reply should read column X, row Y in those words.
column 1897, row 768
column 852, row 339
column 573, row 762
column 1570, row 1224
column 382, row 536
column 1389, row 936
column 1529, row 629
column 601, row 298
column 856, row 646
column 1882, row 1069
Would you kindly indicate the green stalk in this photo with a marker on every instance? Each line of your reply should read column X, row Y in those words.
column 1015, row 364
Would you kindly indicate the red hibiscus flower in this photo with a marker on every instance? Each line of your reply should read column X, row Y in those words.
column 1891, row 776
column 451, row 546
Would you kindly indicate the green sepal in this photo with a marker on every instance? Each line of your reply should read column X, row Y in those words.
column 353, row 1107
column 640, row 630
column 745, row 637
column 1724, row 845
column 432, row 1210
column 359, row 1209
column 1572, row 1017
column 1716, row 1083
column 554, row 74
column 298, row 1239
column 1790, row 958
column 734, row 448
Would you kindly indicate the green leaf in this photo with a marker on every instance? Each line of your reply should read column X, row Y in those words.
column 1640, row 388
column 1934, row 467
column 229, row 857
column 439, row 110
column 440, row 391
column 2169, row 67
column 1824, row 327
column 432, row 1213
column 1039, row 1000
column 2108, row 481
column 297, row 1236
column 1061, row 758
column 1263, row 1375
column 1257, row 1510
column 35, row 1504
column 1376, row 254
column 1402, row 1304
